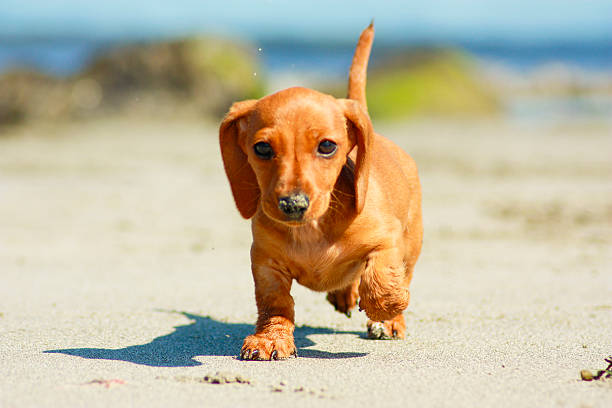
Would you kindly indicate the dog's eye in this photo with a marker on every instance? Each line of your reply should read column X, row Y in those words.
column 327, row 148
column 263, row 150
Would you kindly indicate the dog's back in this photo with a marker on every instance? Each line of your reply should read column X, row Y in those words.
column 390, row 165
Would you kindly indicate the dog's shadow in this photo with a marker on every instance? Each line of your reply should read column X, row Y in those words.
column 204, row 336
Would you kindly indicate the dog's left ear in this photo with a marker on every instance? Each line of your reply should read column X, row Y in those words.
column 239, row 172
column 359, row 128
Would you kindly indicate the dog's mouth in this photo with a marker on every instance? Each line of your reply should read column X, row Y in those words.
column 283, row 219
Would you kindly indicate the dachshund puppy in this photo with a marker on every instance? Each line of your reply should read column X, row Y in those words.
column 334, row 206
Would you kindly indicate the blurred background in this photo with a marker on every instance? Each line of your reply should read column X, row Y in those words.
column 548, row 60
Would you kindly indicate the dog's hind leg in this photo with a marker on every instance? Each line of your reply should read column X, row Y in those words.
column 345, row 300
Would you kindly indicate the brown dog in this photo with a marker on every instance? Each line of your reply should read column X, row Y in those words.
column 334, row 206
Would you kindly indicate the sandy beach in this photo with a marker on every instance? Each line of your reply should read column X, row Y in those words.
column 125, row 274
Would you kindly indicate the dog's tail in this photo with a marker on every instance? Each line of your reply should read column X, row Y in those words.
column 359, row 67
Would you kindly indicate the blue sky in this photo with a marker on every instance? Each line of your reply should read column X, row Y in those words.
column 520, row 20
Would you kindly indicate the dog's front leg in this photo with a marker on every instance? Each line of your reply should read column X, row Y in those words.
column 383, row 292
column 273, row 338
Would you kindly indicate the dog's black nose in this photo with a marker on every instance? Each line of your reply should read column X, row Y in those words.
column 294, row 206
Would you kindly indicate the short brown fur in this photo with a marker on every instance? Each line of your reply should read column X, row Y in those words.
column 361, row 234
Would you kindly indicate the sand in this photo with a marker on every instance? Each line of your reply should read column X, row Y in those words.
column 125, row 275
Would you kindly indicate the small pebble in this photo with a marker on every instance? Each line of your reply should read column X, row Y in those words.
column 586, row 375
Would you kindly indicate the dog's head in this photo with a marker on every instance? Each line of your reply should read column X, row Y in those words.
column 285, row 152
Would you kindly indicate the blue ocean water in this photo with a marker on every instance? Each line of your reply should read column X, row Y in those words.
column 68, row 56
column 61, row 57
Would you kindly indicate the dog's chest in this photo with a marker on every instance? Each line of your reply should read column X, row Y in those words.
column 321, row 265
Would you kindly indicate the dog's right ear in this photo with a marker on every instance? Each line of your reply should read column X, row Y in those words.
column 239, row 172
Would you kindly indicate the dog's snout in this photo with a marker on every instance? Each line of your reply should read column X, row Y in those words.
column 294, row 206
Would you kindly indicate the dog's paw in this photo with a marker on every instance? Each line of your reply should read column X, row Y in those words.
column 262, row 347
column 394, row 329
column 344, row 300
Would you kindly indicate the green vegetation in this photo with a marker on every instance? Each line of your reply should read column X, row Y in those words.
column 228, row 63
column 425, row 82
column 436, row 82
column 196, row 76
